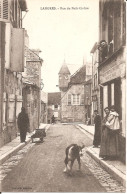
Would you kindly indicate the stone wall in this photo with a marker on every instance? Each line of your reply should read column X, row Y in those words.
column 12, row 102
column 72, row 113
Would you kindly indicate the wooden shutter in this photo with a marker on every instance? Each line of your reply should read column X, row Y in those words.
column 5, row 9
column 69, row 99
column 17, row 49
column 82, row 99
column 7, row 45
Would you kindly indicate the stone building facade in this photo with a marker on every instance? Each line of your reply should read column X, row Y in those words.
column 32, row 86
column 11, row 66
column 73, row 94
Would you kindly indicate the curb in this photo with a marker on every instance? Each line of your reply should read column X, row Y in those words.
column 85, row 130
column 90, row 135
column 119, row 176
column 11, row 152
column 7, row 155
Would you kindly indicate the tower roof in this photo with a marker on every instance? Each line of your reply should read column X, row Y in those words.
column 64, row 69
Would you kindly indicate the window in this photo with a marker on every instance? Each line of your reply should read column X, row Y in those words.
column 69, row 99
column 75, row 99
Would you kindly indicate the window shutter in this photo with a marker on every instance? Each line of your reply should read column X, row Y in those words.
column 82, row 99
column 7, row 45
column 17, row 49
column 69, row 99
column 5, row 9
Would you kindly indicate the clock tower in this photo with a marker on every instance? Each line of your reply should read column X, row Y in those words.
column 64, row 78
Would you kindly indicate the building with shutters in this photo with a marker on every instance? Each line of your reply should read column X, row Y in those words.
column 73, row 93
column 112, row 61
column 11, row 66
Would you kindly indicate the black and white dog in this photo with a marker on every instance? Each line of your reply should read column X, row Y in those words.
column 73, row 152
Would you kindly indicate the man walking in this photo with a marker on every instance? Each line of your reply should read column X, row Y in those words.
column 23, row 124
column 97, row 133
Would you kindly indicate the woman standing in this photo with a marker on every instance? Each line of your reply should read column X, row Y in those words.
column 104, row 136
column 113, row 125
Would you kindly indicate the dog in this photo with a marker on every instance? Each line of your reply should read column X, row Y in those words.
column 72, row 152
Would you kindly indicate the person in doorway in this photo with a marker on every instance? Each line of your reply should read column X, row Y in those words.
column 104, row 136
column 53, row 119
column 97, row 133
column 23, row 124
column 113, row 124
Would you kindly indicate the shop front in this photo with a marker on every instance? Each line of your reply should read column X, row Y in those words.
column 113, row 85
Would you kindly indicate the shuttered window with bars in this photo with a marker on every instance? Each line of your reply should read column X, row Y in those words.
column 4, row 9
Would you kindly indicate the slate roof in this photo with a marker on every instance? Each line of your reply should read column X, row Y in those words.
column 88, row 82
column 64, row 69
column 54, row 98
column 79, row 76
column 31, row 54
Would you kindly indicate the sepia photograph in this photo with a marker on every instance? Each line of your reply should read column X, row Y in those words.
column 63, row 96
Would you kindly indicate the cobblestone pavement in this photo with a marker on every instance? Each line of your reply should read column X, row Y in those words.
column 13, row 161
column 105, row 179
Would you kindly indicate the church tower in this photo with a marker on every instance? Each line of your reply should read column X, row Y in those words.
column 64, row 78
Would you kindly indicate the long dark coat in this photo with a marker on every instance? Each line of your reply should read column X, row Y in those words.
column 97, row 134
column 23, row 121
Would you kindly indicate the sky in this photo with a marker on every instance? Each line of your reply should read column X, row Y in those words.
column 65, row 33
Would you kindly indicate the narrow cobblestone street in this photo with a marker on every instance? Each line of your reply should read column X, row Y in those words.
column 38, row 167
